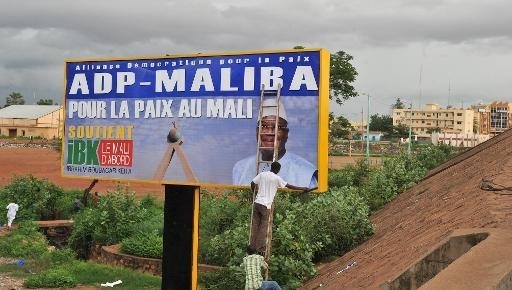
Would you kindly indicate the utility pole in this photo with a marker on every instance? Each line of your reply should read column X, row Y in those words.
column 368, row 131
column 350, row 144
column 362, row 131
column 410, row 131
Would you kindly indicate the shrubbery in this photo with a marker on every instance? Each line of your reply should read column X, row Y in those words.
column 52, row 278
column 38, row 199
column 382, row 184
column 304, row 233
column 143, row 245
column 396, row 175
column 306, row 229
column 432, row 156
column 25, row 242
column 116, row 216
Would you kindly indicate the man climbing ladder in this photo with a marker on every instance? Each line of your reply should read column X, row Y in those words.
column 271, row 125
column 267, row 183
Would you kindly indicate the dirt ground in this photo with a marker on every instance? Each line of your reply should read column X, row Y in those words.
column 45, row 163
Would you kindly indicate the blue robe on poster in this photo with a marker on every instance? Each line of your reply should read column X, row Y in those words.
column 295, row 170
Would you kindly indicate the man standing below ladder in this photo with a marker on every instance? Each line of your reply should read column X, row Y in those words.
column 268, row 182
column 12, row 208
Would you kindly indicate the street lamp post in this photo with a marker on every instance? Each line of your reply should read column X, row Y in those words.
column 368, row 131
column 410, row 130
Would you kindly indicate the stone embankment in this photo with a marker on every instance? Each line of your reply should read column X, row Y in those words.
column 24, row 143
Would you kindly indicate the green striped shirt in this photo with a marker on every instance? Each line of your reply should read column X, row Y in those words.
column 252, row 265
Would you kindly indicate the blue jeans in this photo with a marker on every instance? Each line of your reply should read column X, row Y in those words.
column 270, row 285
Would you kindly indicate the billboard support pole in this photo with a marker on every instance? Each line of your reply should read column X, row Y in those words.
column 180, row 241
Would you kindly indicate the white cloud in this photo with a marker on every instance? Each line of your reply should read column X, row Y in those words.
column 461, row 44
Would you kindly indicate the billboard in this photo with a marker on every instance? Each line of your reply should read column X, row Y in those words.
column 193, row 119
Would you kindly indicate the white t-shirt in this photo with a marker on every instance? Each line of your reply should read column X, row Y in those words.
column 268, row 183
column 12, row 209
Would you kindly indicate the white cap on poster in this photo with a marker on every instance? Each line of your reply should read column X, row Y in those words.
column 272, row 111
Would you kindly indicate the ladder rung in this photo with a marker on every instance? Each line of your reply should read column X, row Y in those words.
column 269, row 106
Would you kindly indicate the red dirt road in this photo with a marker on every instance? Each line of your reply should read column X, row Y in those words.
column 45, row 163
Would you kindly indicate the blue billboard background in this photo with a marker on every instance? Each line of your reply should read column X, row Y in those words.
column 211, row 145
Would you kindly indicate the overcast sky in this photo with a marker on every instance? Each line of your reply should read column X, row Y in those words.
column 456, row 52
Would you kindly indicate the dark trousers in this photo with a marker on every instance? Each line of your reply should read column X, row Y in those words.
column 259, row 227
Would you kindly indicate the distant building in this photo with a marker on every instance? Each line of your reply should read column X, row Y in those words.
column 500, row 117
column 375, row 136
column 459, row 139
column 432, row 118
column 31, row 121
column 358, row 125
column 482, row 118
column 493, row 118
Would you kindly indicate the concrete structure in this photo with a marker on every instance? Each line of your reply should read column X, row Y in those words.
column 493, row 118
column 482, row 118
column 432, row 118
column 31, row 121
column 375, row 136
column 459, row 139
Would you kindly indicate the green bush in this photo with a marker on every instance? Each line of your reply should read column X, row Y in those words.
column 219, row 212
column 226, row 278
column 397, row 174
column 432, row 156
column 58, row 257
column 298, row 241
column 38, row 199
column 90, row 273
column 153, row 222
column 292, row 253
column 117, row 216
column 52, row 278
column 379, row 190
column 307, row 228
column 227, row 248
column 24, row 242
column 352, row 175
column 336, row 221
column 143, row 245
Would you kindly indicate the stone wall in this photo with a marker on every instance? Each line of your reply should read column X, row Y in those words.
column 111, row 255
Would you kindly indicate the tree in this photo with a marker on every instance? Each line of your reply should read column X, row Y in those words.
column 45, row 102
column 339, row 127
column 14, row 99
column 342, row 74
column 400, row 131
column 398, row 104
column 382, row 123
column 432, row 130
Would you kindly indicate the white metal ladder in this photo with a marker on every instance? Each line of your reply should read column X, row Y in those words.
column 275, row 94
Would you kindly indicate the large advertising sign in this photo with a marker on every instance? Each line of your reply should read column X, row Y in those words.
column 194, row 119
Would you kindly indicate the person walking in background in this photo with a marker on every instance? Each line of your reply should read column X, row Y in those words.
column 268, row 182
column 252, row 265
column 94, row 199
column 77, row 205
column 12, row 209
